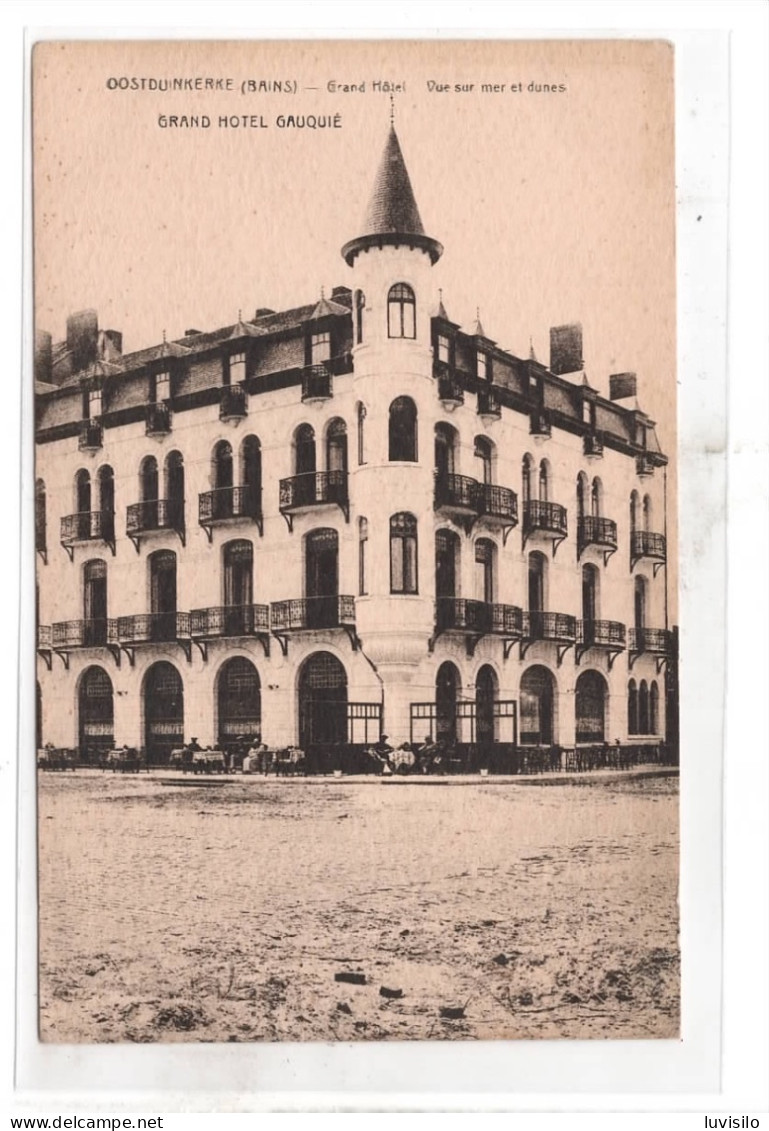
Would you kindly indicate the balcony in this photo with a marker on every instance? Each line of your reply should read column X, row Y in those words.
column 467, row 500
column 649, row 641
column 549, row 519
column 154, row 515
column 539, row 423
column 158, row 419
column 154, row 628
column 310, row 614
column 96, row 633
column 44, row 644
column 645, row 544
column 554, row 628
column 608, row 635
column 489, row 407
column 475, row 619
column 234, row 403
column 644, row 465
column 230, row 621
column 592, row 444
column 595, row 531
column 87, row 526
column 230, row 504
column 91, row 437
column 317, row 384
column 450, row 391
column 313, row 489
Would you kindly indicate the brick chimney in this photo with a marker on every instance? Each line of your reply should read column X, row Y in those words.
column 83, row 338
column 622, row 386
column 566, row 349
column 43, row 357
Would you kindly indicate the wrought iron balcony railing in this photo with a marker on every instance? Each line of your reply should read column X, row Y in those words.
column 488, row 403
column 234, row 403
column 593, row 530
column 44, row 637
column 308, row 613
column 313, row 489
column 545, row 518
column 462, row 493
column 558, row 627
column 601, row 633
column 153, row 628
column 458, row 614
column 91, row 436
column 317, row 384
column 230, row 620
column 645, row 544
column 155, row 514
column 227, row 503
column 87, row 526
column 654, row 640
column 158, row 419
column 84, row 633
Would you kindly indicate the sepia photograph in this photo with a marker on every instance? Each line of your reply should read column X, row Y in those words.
column 357, row 703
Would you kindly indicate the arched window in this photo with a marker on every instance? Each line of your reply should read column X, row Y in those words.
column 96, row 722
column 251, row 476
column 537, row 582
column 321, row 577
column 446, row 564
column 239, row 702
column 162, row 570
column 304, row 450
column 445, row 450
column 401, row 312
column 654, row 708
column 163, row 696
column 95, row 602
column 596, row 498
column 527, row 481
column 582, row 491
column 632, row 707
column 238, row 557
column 447, row 683
column 590, row 589
column 322, row 702
column 362, row 544
column 360, row 303
column 544, row 481
column 485, row 698
column 403, row 553
column 537, row 701
column 83, row 492
column 336, row 446
column 635, row 504
column 174, row 474
column 361, row 415
column 640, row 603
column 148, row 480
column 403, row 430
column 485, row 555
column 484, row 453
column 590, row 706
column 643, row 708
column 647, row 512
column 222, row 469
column 41, row 535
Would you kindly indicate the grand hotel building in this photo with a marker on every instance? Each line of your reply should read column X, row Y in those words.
column 346, row 518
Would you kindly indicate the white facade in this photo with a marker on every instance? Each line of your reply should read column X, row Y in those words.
column 391, row 647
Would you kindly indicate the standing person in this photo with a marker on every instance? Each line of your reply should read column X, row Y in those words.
column 383, row 750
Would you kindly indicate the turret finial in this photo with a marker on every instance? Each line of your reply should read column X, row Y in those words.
column 532, row 355
column 164, row 337
column 322, row 292
column 392, row 111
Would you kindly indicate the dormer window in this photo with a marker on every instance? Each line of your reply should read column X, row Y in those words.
column 444, row 349
column 237, row 368
column 320, row 348
column 484, row 367
column 93, row 404
column 162, row 387
column 401, row 312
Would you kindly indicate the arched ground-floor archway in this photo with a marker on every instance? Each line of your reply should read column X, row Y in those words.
column 322, row 702
column 447, row 683
column 538, row 707
column 163, row 700
column 486, row 694
column 239, row 702
column 590, row 707
column 96, row 713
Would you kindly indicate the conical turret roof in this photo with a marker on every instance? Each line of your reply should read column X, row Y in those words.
column 392, row 216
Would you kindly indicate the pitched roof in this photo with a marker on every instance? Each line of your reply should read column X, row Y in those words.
column 392, row 206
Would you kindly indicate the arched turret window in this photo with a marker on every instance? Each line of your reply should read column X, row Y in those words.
column 362, row 544
column 360, row 304
column 403, row 553
column 484, row 453
column 403, row 430
column 401, row 312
